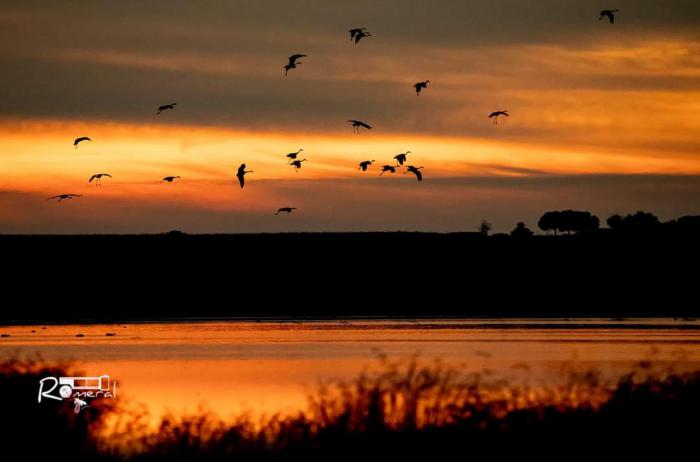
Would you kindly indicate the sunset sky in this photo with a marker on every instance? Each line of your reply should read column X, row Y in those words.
column 603, row 117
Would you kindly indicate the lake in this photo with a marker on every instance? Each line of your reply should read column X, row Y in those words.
column 270, row 366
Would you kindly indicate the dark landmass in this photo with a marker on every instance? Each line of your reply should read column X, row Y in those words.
column 612, row 273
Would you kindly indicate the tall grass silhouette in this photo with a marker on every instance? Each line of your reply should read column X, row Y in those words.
column 400, row 409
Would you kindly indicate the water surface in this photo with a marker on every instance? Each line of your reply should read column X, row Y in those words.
column 268, row 367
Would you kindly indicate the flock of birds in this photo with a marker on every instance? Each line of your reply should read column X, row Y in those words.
column 356, row 35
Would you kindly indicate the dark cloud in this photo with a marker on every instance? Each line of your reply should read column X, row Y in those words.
column 222, row 62
column 163, row 23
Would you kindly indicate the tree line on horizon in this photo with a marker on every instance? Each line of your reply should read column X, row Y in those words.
column 581, row 221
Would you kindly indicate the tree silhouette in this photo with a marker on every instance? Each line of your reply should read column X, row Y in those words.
column 640, row 221
column 549, row 222
column 484, row 228
column 687, row 223
column 521, row 231
column 614, row 221
column 568, row 221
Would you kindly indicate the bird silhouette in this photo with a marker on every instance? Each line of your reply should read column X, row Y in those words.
column 357, row 124
column 610, row 14
column 421, row 86
column 293, row 155
column 293, row 62
column 62, row 197
column 415, row 171
column 169, row 179
column 387, row 168
column 364, row 164
column 358, row 34
column 401, row 158
column 496, row 114
column 98, row 178
column 241, row 174
column 285, row 210
column 297, row 164
column 80, row 140
column 165, row 107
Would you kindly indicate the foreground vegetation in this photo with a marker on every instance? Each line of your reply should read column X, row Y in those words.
column 403, row 410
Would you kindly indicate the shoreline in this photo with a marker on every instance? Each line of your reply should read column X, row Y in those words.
column 396, row 322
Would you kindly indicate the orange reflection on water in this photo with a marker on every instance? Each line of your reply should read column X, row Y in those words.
column 271, row 367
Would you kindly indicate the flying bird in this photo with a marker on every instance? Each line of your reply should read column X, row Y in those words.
column 98, row 178
column 415, row 171
column 62, row 197
column 387, row 168
column 401, row 158
column 241, row 174
column 358, row 34
column 364, row 164
column 293, row 62
column 496, row 114
column 169, row 179
column 421, row 86
column 293, row 155
column 80, row 140
column 356, row 124
column 165, row 107
column 297, row 164
column 610, row 14
column 285, row 210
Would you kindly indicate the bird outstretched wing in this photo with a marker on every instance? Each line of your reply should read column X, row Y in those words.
column 293, row 58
